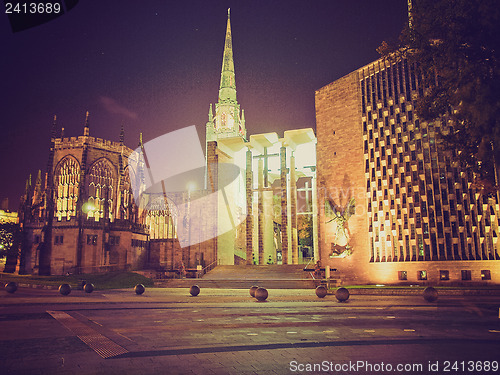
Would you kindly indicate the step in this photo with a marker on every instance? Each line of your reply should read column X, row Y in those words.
column 268, row 272
column 238, row 283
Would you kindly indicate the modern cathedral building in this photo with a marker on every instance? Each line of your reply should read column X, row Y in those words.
column 396, row 209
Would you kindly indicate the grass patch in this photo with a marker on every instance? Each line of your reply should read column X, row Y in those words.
column 384, row 287
column 111, row 280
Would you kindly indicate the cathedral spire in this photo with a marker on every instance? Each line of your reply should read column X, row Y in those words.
column 53, row 128
column 143, row 162
column 28, row 185
column 226, row 122
column 86, row 129
column 120, row 156
column 122, row 135
column 37, row 193
column 227, row 91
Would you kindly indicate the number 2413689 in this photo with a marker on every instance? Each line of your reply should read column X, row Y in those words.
column 32, row 8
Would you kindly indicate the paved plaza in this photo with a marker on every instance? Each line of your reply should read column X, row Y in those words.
column 226, row 331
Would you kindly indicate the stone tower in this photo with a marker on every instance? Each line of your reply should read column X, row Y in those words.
column 257, row 210
column 225, row 137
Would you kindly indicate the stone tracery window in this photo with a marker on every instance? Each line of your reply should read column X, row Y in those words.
column 66, row 182
column 161, row 218
column 101, row 181
column 126, row 199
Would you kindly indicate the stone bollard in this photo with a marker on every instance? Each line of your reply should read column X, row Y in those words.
column 64, row 289
column 194, row 290
column 139, row 289
column 252, row 290
column 430, row 294
column 88, row 288
column 342, row 294
column 261, row 294
column 11, row 287
column 321, row 291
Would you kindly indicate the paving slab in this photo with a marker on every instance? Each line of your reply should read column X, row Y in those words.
column 225, row 331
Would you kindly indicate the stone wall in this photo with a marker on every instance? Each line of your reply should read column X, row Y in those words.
column 341, row 177
column 397, row 233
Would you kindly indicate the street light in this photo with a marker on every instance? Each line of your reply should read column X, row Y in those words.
column 191, row 186
column 87, row 207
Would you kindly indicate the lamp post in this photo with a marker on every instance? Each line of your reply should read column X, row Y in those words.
column 190, row 187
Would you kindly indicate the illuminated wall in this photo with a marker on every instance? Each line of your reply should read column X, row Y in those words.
column 8, row 217
column 418, row 217
column 94, row 212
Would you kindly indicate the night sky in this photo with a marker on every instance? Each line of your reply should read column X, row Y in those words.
column 154, row 66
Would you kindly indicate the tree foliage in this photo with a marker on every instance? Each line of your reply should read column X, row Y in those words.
column 9, row 238
column 305, row 229
column 456, row 44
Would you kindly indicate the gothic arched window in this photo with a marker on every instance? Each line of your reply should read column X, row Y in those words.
column 161, row 218
column 101, row 188
column 66, row 182
column 126, row 198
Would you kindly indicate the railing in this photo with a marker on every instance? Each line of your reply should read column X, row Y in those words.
column 198, row 273
column 320, row 280
column 210, row 267
column 310, row 260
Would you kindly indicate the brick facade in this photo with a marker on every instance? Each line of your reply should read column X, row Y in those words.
column 340, row 172
column 418, row 217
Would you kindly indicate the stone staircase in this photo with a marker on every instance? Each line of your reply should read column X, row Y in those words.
column 243, row 277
